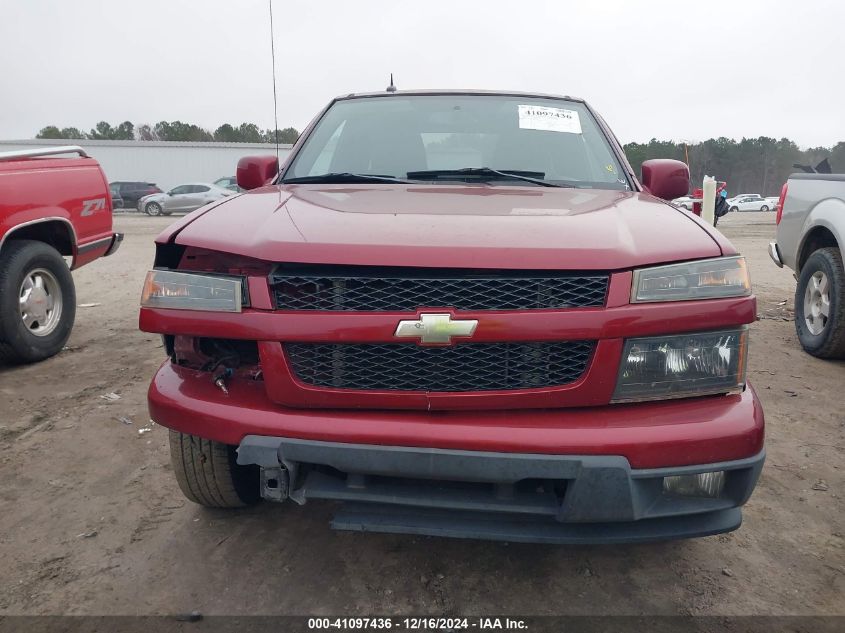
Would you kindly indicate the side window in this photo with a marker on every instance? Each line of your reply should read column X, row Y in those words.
column 180, row 190
column 199, row 189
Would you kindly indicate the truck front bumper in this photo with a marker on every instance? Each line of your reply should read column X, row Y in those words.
column 774, row 253
column 566, row 499
column 116, row 241
column 560, row 475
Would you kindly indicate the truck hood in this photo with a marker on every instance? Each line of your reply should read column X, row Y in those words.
column 462, row 226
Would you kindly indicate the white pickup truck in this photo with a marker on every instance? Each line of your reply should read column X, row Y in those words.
column 810, row 241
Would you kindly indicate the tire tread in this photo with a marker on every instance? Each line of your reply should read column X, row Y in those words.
column 206, row 472
column 18, row 254
column 834, row 345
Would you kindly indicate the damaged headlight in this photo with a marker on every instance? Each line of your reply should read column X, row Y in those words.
column 703, row 279
column 189, row 291
column 682, row 365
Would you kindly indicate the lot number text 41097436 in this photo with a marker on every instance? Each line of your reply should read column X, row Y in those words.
column 417, row 624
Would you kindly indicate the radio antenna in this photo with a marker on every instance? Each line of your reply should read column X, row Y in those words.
column 275, row 101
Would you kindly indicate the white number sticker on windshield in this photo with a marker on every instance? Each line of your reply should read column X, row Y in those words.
column 533, row 117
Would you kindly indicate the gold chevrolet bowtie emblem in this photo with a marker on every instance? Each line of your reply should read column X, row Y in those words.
column 433, row 329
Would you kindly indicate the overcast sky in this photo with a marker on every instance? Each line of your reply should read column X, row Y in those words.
column 672, row 70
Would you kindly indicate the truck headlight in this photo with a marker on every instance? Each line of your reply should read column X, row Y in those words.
column 677, row 366
column 702, row 279
column 189, row 291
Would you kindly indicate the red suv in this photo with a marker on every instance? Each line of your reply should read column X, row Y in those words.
column 461, row 314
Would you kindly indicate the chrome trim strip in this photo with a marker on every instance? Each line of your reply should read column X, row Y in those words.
column 90, row 246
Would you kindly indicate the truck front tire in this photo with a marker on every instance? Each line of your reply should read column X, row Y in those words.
column 820, row 304
column 37, row 301
column 208, row 472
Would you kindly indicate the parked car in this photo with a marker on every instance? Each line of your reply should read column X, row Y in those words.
column 182, row 198
column 684, row 202
column 132, row 191
column 772, row 202
column 752, row 202
column 52, row 206
column 229, row 182
column 116, row 198
column 810, row 241
column 533, row 345
column 745, row 195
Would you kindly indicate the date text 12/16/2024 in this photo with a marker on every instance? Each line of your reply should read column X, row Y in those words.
column 416, row 624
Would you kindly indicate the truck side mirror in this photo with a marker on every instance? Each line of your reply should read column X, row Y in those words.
column 256, row 171
column 665, row 178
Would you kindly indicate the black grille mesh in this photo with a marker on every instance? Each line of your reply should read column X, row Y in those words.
column 467, row 367
column 400, row 291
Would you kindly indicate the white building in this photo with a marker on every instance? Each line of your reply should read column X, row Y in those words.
column 165, row 163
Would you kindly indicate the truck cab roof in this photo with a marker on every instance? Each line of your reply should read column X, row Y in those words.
column 457, row 92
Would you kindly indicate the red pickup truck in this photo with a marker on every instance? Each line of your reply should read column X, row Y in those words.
column 461, row 314
column 52, row 206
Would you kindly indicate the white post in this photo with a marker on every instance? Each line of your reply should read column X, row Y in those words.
column 708, row 200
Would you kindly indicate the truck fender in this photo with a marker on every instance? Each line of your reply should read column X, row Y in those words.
column 827, row 214
column 31, row 230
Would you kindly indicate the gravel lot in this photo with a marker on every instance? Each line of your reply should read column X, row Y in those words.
column 93, row 522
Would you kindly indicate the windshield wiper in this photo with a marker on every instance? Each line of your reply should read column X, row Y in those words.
column 484, row 173
column 343, row 177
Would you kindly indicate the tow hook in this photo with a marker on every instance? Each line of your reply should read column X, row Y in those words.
column 219, row 376
column 275, row 483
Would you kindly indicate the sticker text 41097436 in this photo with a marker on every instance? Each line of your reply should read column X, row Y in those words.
column 532, row 117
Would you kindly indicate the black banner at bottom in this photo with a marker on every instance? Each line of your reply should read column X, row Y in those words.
column 197, row 623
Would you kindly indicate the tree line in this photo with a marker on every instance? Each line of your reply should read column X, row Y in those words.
column 752, row 165
column 172, row 131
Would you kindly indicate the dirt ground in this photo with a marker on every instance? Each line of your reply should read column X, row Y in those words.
column 92, row 521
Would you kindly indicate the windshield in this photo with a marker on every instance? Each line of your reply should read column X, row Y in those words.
column 557, row 140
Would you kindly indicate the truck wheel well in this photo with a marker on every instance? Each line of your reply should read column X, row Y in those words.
column 53, row 232
column 819, row 237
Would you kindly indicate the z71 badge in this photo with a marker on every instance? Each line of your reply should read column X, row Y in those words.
column 89, row 207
